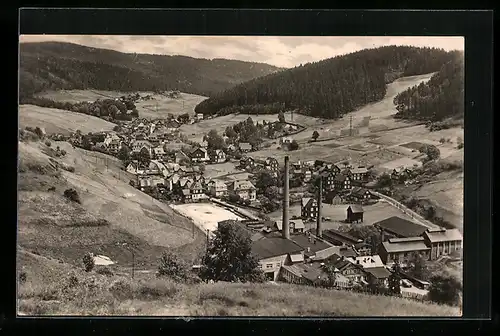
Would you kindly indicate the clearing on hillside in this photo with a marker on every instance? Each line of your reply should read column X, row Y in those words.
column 60, row 121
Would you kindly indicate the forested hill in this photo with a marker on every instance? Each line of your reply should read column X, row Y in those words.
column 329, row 88
column 56, row 65
column 439, row 98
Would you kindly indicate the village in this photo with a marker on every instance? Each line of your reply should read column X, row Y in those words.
column 295, row 212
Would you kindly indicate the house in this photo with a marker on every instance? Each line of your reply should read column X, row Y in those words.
column 359, row 174
column 354, row 273
column 328, row 180
column 285, row 140
column 338, row 238
column 367, row 262
column 114, row 146
column 334, row 197
column 158, row 152
column 186, row 195
column 347, row 251
column 378, row 275
column 363, row 248
column 296, row 225
column 394, row 174
column 244, row 189
column 273, row 252
column 400, row 227
column 272, row 164
column 217, row 188
column 247, row 162
column 342, row 181
column 199, row 155
column 172, row 181
column 218, row 156
column 309, row 208
column 359, row 195
column 135, row 168
column 401, row 250
column 311, row 244
column 196, row 190
column 204, row 144
column 199, row 116
column 354, row 214
column 442, row 241
column 138, row 145
column 245, row 147
column 307, row 174
column 149, row 180
column 157, row 167
column 180, row 156
column 110, row 137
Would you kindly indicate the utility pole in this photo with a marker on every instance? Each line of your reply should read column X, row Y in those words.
column 192, row 227
column 208, row 234
column 350, row 125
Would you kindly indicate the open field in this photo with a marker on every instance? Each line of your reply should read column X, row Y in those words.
column 401, row 163
column 43, row 294
column 205, row 215
column 108, row 216
column 60, row 121
column 158, row 107
column 221, row 169
column 338, row 212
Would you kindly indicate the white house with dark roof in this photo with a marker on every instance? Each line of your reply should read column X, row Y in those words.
column 217, row 188
column 401, row 250
column 244, row 189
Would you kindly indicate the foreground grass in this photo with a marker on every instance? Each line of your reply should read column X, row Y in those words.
column 94, row 294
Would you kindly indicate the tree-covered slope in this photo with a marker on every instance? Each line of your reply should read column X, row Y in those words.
column 329, row 88
column 55, row 65
column 439, row 98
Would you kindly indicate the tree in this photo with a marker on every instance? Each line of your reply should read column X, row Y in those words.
column 86, row 144
column 183, row 118
column 214, row 140
column 281, row 117
column 418, row 266
column 144, row 156
column 384, row 181
column 315, row 135
column 72, row 195
column 394, row 280
column 444, row 289
column 229, row 256
column 433, row 153
column 294, row 145
column 264, row 180
column 88, row 262
column 39, row 132
column 230, row 133
column 135, row 113
column 113, row 111
column 124, row 153
column 172, row 267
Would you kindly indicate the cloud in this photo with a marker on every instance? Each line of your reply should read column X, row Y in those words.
column 282, row 51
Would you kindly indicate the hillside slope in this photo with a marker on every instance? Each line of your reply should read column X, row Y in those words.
column 329, row 88
column 60, row 121
column 111, row 212
column 56, row 65
column 441, row 97
column 43, row 294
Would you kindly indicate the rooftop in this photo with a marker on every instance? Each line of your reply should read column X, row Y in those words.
column 443, row 235
column 367, row 261
column 274, row 246
column 337, row 235
column 298, row 224
column 379, row 272
column 356, row 208
column 314, row 244
column 401, row 227
column 404, row 246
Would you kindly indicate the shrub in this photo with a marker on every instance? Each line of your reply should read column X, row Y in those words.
column 72, row 281
column 72, row 195
column 444, row 290
column 88, row 262
column 52, row 189
column 105, row 271
column 48, row 143
column 158, row 288
column 22, row 277
column 173, row 267
column 442, row 140
column 121, row 289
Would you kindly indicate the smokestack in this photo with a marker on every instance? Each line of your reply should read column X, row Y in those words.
column 286, row 201
column 319, row 223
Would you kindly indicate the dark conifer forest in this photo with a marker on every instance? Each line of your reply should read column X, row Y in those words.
column 56, row 65
column 439, row 98
column 328, row 88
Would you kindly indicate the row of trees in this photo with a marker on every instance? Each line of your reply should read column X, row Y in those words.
column 329, row 88
column 55, row 66
column 441, row 97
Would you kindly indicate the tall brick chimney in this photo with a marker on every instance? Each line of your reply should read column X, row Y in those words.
column 319, row 222
column 286, row 201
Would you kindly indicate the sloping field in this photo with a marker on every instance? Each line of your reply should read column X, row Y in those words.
column 60, row 121
column 75, row 96
column 205, row 215
column 105, row 194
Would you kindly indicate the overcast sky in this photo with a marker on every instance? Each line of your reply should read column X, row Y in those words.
column 281, row 51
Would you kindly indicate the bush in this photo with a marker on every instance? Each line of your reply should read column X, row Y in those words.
column 22, row 277
column 444, row 290
column 121, row 289
column 105, row 271
column 72, row 195
column 88, row 262
column 72, row 281
column 52, row 189
column 173, row 267
column 155, row 289
column 48, row 143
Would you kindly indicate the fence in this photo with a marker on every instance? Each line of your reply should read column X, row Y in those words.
column 415, row 216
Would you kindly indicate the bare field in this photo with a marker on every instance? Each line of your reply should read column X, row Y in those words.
column 75, row 96
column 338, row 212
column 161, row 106
column 220, row 169
column 60, row 121
column 401, row 163
column 205, row 215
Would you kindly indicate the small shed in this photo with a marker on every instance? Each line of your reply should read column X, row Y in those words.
column 355, row 214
